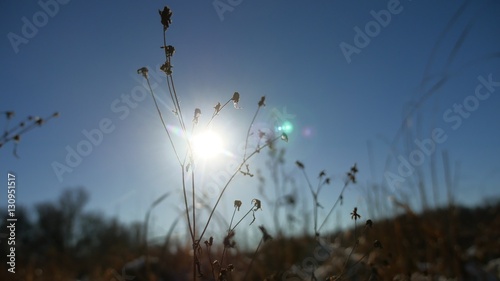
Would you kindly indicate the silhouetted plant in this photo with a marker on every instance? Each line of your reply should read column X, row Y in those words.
column 322, row 181
column 14, row 133
column 187, row 162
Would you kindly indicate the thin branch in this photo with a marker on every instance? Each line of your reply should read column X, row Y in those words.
column 334, row 205
column 163, row 121
column 228, row 182
column 253, row 258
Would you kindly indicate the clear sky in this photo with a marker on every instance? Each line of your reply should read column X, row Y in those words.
column 345, row 74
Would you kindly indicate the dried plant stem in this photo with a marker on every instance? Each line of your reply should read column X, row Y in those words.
column 360, row 259
column 227, row 184
column 178, row 111
column 231, row 229
column 171, row 88
column 253, row 258
column 194, row 204
column 334, row 205
column 247, row 213
column 315, row 201
column 163, row 121
column 186, row 203
column 350, row 253
column 217, row 112
column 243, row 162
column 232, row 218
column 209, row 247
column 248, row 132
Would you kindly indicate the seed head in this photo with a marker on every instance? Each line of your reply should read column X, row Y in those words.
column 165, row 15
column 237, row 204
column 143, row 71
column 217, row 107
column 236, row 99
column 197, row 113
column 284, row 137
column 369, row 223
column 257, row 204
column 169, row 50
column 354, row 214
column 351, row 175
column 262, row 101
column 265, row 234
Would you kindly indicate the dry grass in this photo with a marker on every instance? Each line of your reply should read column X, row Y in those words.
column 450, row 243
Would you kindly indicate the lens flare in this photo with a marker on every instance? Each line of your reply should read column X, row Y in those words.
column 286, row 127
column 207, row 145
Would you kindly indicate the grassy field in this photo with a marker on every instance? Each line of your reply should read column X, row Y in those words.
column 453, row 243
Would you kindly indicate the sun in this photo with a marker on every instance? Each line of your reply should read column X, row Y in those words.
column 207, row 144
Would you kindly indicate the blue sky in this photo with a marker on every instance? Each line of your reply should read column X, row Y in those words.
column 82, row 60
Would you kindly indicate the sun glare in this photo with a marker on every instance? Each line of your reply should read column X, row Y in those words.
column 207, row 145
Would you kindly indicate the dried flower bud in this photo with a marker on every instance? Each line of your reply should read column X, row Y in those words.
column 265, row 234
column 354, row 214
column 262, row 101
column 222, row 274
column 236, row 99
column 227, row 240
column 351, row 175
column 369, row 223
column 299, row 164
column 197, row 113
column 237, row 204
column 165, row 15
column 167, row 68
column 217, row 107
column 143, row 71
column 354, row 169
column 257, row 204
column 284, row 137
column 169, row 50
